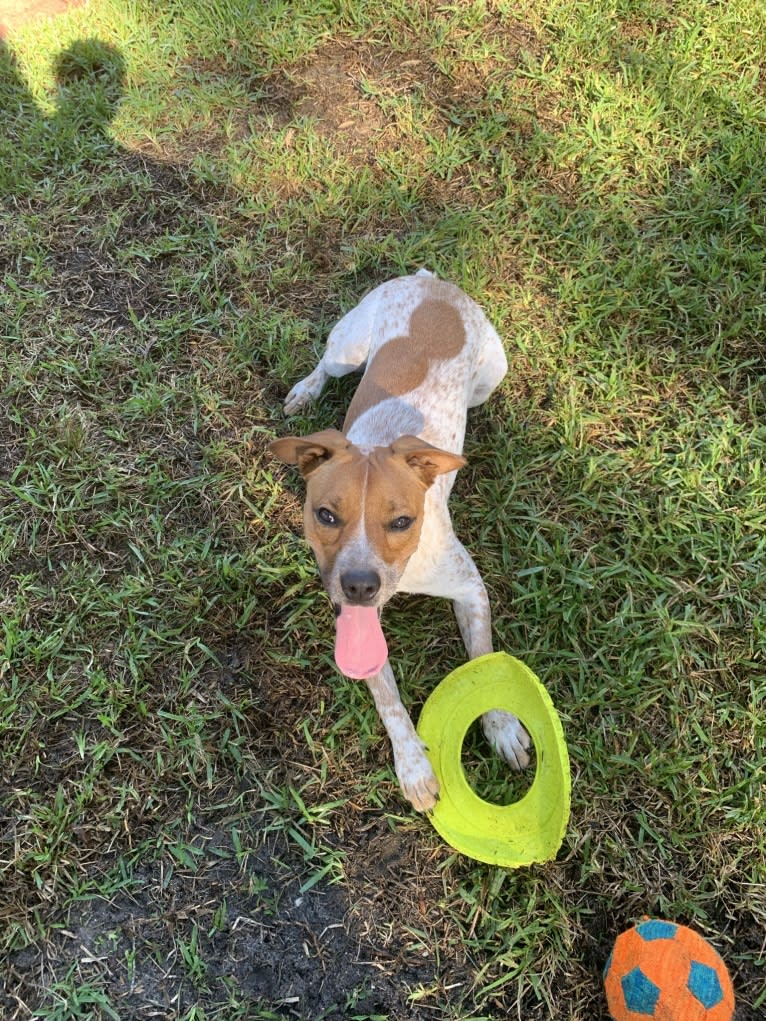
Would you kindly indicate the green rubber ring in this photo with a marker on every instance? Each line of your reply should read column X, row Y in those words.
column 531, row 829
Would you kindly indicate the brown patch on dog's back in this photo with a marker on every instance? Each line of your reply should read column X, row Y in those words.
column 436, row 333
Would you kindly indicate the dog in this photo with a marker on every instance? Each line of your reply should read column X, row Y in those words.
column 376, row 511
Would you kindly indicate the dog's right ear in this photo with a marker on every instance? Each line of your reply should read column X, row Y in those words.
column 309, row 452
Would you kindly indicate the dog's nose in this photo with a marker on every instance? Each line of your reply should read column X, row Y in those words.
column 360, row 587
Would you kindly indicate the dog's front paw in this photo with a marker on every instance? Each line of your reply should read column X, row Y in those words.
column 304, row 392
column 507, row 737
column 417, row 779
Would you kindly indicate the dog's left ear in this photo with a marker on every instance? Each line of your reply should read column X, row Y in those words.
column 426, row 460
column 309, row 452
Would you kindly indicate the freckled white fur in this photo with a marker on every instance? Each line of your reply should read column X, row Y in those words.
column 436, row 411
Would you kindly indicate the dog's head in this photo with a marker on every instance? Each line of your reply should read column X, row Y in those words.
column 364, row 508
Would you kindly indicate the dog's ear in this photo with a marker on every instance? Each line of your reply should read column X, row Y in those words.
column 309, row 452
column 427, row 461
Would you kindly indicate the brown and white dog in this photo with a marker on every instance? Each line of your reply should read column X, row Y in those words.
column 376, row 511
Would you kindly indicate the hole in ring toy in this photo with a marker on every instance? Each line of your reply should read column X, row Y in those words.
column 529, row 830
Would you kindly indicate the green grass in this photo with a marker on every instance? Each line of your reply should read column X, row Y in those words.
column 192, row 193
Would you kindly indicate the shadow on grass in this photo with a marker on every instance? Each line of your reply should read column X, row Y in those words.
column 90, row 77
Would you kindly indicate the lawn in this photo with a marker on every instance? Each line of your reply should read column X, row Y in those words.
column 199, row 819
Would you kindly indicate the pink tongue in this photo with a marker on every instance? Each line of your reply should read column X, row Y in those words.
column 360, row 647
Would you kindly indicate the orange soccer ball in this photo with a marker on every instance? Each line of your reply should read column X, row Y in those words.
column 661, row 971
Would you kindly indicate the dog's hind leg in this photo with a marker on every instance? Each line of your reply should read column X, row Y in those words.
column 346, row 351
column 491, row 365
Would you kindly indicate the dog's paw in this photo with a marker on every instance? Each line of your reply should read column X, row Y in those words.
column 304, row 392
column 417, row 779
column 507, row 737
column 297, row 398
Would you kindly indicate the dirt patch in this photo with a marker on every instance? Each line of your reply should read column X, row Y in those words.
column 339, row 89
column 244, row 925
column 343, row 88
column 331, row 94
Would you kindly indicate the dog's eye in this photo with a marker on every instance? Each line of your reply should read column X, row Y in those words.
column 400, row 524
column 326, row 517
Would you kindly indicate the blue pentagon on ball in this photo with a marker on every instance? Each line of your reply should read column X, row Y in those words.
column 655, row 929
column 705, row 985
column 641, row 994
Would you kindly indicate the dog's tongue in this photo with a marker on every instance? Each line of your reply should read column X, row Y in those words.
column 360, row 646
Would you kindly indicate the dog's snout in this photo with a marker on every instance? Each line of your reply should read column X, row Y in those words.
column 360, row 587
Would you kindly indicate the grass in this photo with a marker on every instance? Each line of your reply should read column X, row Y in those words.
column 191, row 195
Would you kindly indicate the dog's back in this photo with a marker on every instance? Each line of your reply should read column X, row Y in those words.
column 430, row 354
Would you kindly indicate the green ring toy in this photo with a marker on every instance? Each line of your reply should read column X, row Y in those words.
column 530, row 830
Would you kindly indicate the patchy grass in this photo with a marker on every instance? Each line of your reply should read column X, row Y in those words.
column 199, row 818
